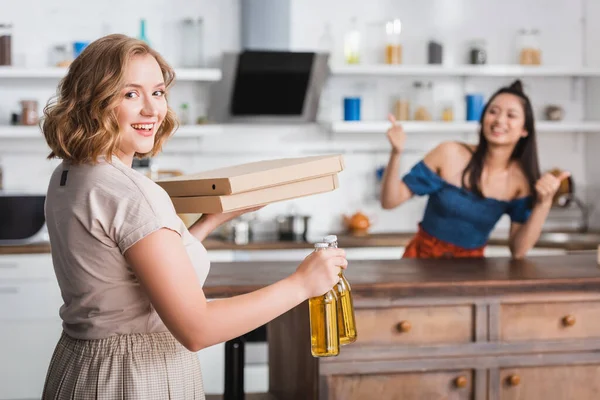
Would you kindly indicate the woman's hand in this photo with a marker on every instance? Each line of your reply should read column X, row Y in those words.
column 319, row 271
column 547, row 186
column 219, row 219
column 209, row 222
column 396, row 135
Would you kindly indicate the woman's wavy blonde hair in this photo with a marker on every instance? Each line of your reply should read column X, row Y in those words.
column 80, row 123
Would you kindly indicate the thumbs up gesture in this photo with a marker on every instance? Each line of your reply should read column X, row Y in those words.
column 547, row 186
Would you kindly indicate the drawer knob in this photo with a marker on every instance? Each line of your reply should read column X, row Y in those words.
column 403, row 326
column 461, row 382
column 569, row 320
column 514, row 380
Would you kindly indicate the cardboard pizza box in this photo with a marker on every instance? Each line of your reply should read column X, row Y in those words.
column 258, row 197
column 252, row 176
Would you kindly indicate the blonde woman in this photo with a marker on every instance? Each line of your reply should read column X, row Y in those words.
column 130, row 272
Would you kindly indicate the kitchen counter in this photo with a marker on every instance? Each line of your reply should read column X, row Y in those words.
column 476, row 329
column 410, row 277
column 399, row 239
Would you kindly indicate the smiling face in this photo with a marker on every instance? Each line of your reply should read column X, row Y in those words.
column 143, row 107
column 504, row 120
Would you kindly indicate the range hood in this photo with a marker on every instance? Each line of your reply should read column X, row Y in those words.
column 270, row 79
column 269, row 86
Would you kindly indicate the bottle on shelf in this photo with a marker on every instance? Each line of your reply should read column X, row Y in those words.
column 393, row 48
column 324, row 335
column 143, row 36
column 352, row 43
column 192, row 33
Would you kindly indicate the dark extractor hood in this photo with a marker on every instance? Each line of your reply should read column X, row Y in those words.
column 269, row 87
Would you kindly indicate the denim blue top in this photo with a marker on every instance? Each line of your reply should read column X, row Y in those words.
column 457, row 215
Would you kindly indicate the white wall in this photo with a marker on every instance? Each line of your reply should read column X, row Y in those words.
column 40, row 24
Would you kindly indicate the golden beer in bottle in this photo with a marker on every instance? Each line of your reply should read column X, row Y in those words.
column 323, row 310
column 346, row 319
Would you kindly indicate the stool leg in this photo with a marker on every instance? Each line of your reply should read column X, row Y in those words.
column 234, row 369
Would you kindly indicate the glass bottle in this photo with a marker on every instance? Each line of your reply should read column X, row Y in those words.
column 326, row 41
column 345, row 305
column 324, row 335
column 352, row 43
column 528, row 47
column 142, row 35
column 5, row 44
column 401, row 108
column 477, row 52
column 184, row 115
column 29, row 112
column 192, row 45
column 422, row 104
column 393, row 48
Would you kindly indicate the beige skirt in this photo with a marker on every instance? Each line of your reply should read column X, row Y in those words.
column 137, row 366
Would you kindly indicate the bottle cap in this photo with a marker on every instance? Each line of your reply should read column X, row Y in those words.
column 321, row 245
column 330, row 239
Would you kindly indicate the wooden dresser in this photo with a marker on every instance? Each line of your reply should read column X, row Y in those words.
column 492, row 329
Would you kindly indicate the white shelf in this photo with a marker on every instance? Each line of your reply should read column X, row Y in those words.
column 33, row 132
column 184, row 74
column 463, row 70
column 454, row 127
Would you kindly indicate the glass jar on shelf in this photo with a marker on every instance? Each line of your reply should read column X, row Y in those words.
column 477, row 52
column 447, row 112
column 401, row 108
column 29, row 112
column 423, row 103
column 61, row 56
column 393, row 48
column 528, row 47
column 5, row 44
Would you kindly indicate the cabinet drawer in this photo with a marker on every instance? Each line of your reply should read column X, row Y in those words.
column 26, row 266
column 29, row 300
column 562, row 320
column 415, row 325
column 550, row 383
column 450, row 385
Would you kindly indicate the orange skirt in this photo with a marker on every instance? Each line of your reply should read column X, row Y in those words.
column 423, row 245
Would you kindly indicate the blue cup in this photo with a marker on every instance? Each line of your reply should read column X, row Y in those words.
column 78, row 48
column 351, row 108
column 474, row 106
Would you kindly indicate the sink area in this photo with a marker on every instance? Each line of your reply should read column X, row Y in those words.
column 587, row 238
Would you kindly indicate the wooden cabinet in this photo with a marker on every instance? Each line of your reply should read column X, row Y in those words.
column 478, row 329
column 550, row 320
column 415, row 325
column 450, row 385
column 538, row 346
column 550, row 383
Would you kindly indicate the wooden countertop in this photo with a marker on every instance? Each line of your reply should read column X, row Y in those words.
column 398, row 239
column 410, row 277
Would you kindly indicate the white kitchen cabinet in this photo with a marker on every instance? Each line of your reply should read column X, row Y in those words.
column 26, row 347
column 29, row 323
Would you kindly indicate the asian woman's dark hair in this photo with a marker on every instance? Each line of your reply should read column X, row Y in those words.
column 525, row 152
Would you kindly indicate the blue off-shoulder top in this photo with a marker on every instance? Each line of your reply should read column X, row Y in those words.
column 457, row 215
